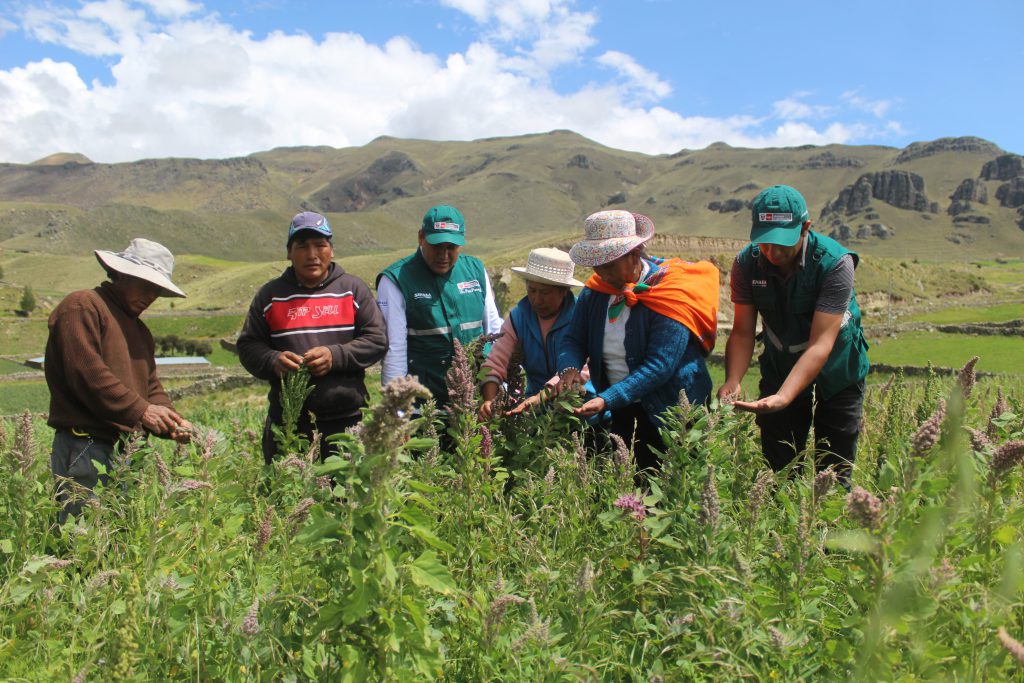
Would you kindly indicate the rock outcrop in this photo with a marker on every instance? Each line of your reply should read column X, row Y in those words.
column 376, row 185
column 1003, row 167
column 830, row 160
column 874, row 230
column 1011, row 194
column 902, row 189
column 918, row 150
column 971, row 190
column 581, row 161
column 730, row 205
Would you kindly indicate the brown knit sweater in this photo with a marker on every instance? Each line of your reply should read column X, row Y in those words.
column 99, row 365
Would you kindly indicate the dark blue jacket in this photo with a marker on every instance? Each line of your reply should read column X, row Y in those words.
column 662, row 356
column 540, row 356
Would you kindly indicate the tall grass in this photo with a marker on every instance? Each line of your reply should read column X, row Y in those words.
column 523, row 553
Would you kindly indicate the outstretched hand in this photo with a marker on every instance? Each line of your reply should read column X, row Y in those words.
column 594, row 406
column 525, row 406
column 763, row 406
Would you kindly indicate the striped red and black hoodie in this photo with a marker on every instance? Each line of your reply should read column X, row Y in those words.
column 340, row 314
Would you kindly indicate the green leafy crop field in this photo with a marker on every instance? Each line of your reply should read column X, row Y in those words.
column 526, row 552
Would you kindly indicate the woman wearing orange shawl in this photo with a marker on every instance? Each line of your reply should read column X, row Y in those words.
column 644, row 325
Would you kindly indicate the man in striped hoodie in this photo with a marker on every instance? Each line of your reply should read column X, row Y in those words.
column 318, row 316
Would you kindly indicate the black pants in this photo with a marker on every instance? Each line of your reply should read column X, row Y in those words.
column 326, row 428
column 637, row 429
column 73, row 458
column 836, row 428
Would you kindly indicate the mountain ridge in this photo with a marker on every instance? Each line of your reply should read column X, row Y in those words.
column 516, row 192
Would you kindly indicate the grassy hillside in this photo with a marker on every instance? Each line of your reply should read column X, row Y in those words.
column 515, row 192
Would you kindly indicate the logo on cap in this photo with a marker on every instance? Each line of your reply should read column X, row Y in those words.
column 444, row 225
column 775, row 217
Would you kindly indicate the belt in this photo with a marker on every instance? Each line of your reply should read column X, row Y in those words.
column 82, row 434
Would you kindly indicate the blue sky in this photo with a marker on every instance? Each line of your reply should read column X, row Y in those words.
column 120, row 80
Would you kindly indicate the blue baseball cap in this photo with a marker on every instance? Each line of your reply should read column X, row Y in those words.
column 777, row 216
column 309, row 220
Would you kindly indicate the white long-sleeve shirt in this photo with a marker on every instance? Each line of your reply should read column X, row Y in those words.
column 392, row 304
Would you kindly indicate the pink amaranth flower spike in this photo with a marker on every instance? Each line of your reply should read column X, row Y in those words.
column 927, row 435
column 864, row 507
column 630, row 502
column 1006, row 457
column 967, row 377
column 1012, row 645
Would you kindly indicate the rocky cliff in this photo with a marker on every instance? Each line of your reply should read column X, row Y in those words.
column 1003, row 167
column 902, row 189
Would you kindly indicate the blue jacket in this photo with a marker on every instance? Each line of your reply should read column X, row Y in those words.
column 662, row 356
column 540, row 356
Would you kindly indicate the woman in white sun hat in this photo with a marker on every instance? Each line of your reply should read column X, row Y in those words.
column 535, row 327
column 644, row 326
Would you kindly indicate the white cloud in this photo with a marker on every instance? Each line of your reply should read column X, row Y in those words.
column 184, row 83
column 647, row 82
column 172, row 9
column 879, row 108
column 793, row 108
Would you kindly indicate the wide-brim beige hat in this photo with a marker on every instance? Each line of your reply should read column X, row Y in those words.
column 609, row 235
column 549, row 267
column 146, row 260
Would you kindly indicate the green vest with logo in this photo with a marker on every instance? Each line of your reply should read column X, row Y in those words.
column 787, row 308
column 438, row 309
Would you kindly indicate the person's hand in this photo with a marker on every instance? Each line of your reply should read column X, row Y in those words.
column 160, row 419
column 526, row 406
column 568, row 381
column 183, row 432
column 594, row 406
column 729, row 392
column 763, row 406
column 486, row 411
column 319, row 360
column 286, row 362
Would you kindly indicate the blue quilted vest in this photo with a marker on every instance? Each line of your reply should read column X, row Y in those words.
column 540, row 357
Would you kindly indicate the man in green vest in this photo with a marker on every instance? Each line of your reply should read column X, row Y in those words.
column 431, row 298
column 815, row 356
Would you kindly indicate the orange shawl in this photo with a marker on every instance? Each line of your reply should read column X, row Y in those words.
column 686, row 292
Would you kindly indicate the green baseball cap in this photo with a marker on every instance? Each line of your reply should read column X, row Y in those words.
column 444, row 224
column 778, row 214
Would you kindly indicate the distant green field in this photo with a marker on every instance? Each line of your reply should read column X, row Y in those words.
column 966, row 314
column 998, row 354
column 23, row 336
column 195, row 326
column 8, row 367
column 16, row 397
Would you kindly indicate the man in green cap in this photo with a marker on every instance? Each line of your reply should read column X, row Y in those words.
column 431, row 298
column 815, row 356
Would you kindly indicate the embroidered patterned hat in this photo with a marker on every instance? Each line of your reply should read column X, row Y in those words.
column 609, row 235
column 549, row 267
column 777, row 216
column 146, row 260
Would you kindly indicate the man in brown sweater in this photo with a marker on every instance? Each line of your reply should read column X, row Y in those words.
column 101, row 371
